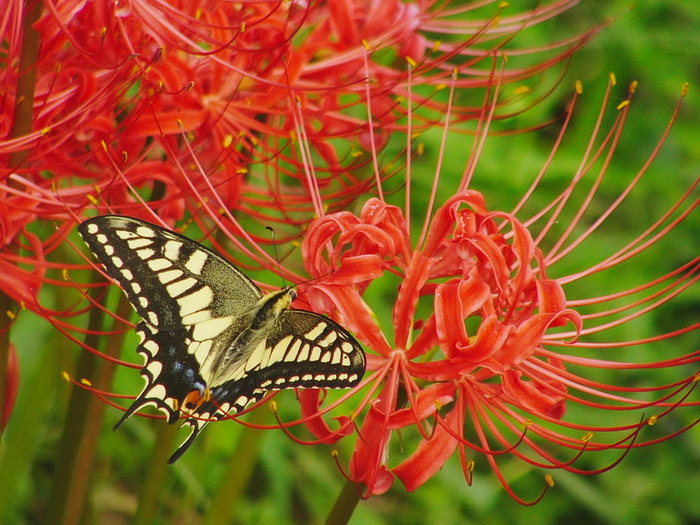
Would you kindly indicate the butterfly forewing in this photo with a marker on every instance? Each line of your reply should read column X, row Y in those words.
column 207, row 328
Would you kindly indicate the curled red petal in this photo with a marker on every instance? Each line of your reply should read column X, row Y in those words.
column 430, row 455
column 310, row 401
column 537, row 398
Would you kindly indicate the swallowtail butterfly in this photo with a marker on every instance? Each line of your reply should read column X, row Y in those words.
column 212, row 342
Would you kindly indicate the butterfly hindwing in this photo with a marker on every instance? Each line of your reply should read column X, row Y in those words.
column 208, row 330
column 306, row 350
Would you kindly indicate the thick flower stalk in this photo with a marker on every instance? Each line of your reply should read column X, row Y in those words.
column 487, row 353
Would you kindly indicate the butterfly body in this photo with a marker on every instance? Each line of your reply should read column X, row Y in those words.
column 212, row 342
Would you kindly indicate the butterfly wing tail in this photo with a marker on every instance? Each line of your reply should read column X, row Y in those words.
column 196, row 426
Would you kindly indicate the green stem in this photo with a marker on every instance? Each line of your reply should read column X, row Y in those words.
column 156, row 475
column 239, row 469
column 350, row 494
column 345, row 504
column 83, row 424
column 7, row 305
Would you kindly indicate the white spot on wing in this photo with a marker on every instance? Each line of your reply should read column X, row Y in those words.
column 146, row 253
column 293, row 351
column 157, row 392
column 137, row 243
column 304, row 354
column 92, row 228
column 328, row 340
column 125, row 234
column 151, row 346
column 256, row 356
column 196, row 317
column 316, row 331
column 196, row 301
column 170, row 275
column 153, row 318
column 211, row 328
column 179, row 287
column 144, row 231
column 278, row 352
column 196, row 262
column 159, row 264
column 136, row 287
column 155, row 368
column 172, row 250
column 203, row 350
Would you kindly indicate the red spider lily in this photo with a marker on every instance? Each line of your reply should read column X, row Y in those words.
column 489, row 352
column 118, row 83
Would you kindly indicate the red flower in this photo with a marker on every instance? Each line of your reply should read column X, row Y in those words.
column 488, row 352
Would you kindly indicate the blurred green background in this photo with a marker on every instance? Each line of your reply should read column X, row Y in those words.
column 654, row 42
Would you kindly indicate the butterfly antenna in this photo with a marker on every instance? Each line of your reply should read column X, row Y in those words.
column 277, row 255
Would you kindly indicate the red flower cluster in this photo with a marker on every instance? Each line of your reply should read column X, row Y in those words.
column 487, row 350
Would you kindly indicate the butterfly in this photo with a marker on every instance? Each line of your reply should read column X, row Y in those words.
column 213, row 343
